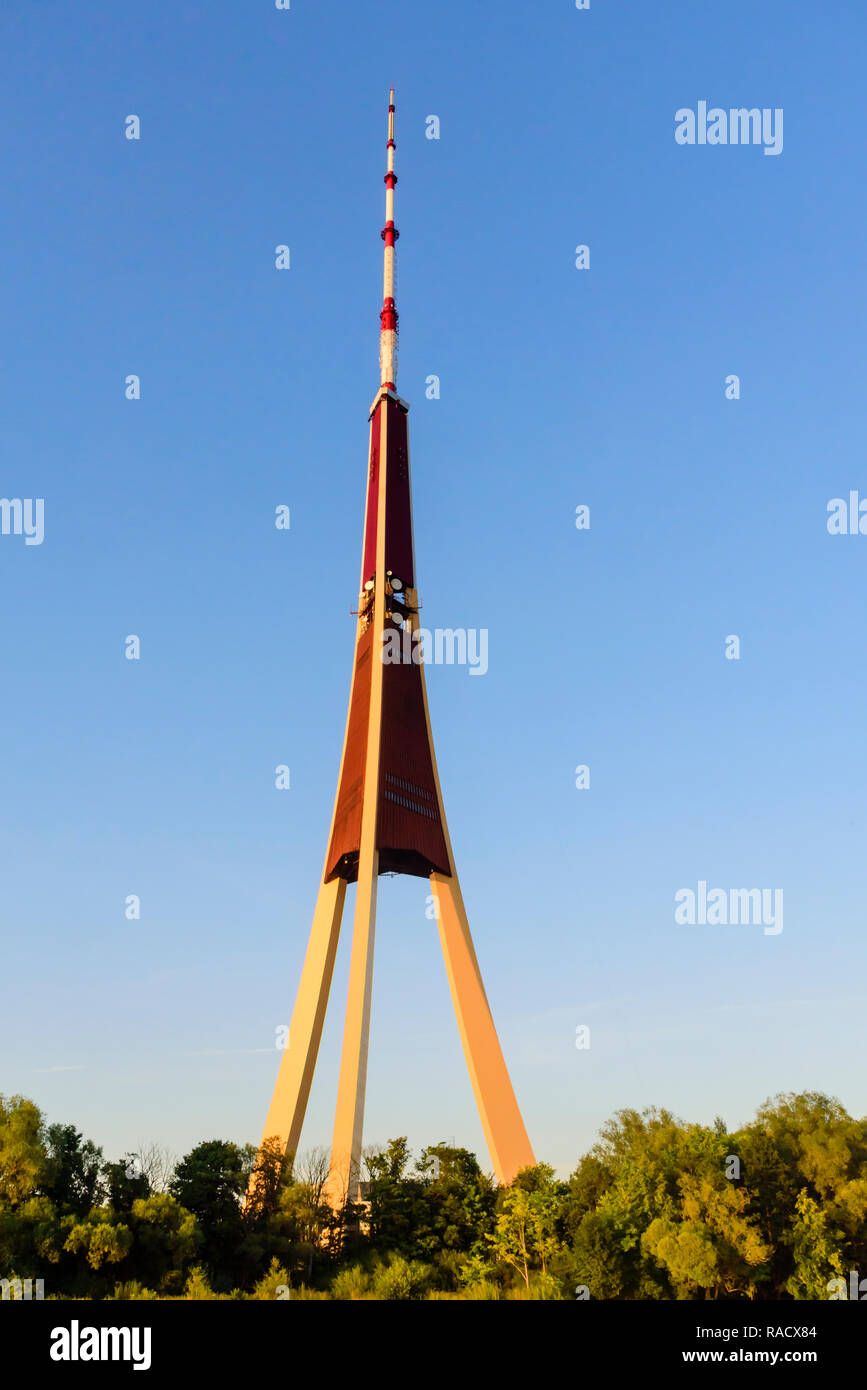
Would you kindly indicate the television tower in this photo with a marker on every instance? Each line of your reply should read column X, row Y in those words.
column 388, row 814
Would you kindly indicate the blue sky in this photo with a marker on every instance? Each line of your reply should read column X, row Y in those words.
column 559, row 387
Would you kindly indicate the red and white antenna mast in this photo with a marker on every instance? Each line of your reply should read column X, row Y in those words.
column 390, row 234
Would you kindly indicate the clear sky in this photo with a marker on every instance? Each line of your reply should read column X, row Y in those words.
column 559, row 387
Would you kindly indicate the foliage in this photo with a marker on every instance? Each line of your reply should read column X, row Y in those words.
column 525, row 1234
column 658, row 1209
column 399, row 1278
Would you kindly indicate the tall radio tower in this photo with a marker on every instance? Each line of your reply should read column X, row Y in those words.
column 388, row 814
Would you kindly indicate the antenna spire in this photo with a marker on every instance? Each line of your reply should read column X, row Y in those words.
column 390, row 234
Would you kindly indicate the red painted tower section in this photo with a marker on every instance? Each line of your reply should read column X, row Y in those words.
column 410, row 836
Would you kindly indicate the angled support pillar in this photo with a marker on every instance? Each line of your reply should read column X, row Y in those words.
column 503, row 1126
column 292, row 1091
column 345, row 1167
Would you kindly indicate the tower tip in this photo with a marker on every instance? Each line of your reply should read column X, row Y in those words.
column 388, row 317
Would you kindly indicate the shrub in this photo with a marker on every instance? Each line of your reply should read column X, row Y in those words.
column 131, row 1291
column 351, row 1283
column 402, row 1279
column 274, row 1284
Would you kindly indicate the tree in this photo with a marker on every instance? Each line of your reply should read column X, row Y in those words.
column 459, row 1202
column 31, row 1237
column 73, row 1169
column 525, row 1233
column 816, row 1249
column 22, row 1150
column 269, row 1168
column 599, row 1260
column 686, row 1251
column 395, row 1200
column 210, row 1181
column 124, row 1183
column 303, row 1206
column 807, row 1143
column 100, row 1239
column 166, row 1242
column 722, row 1212
column 156, row 1164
